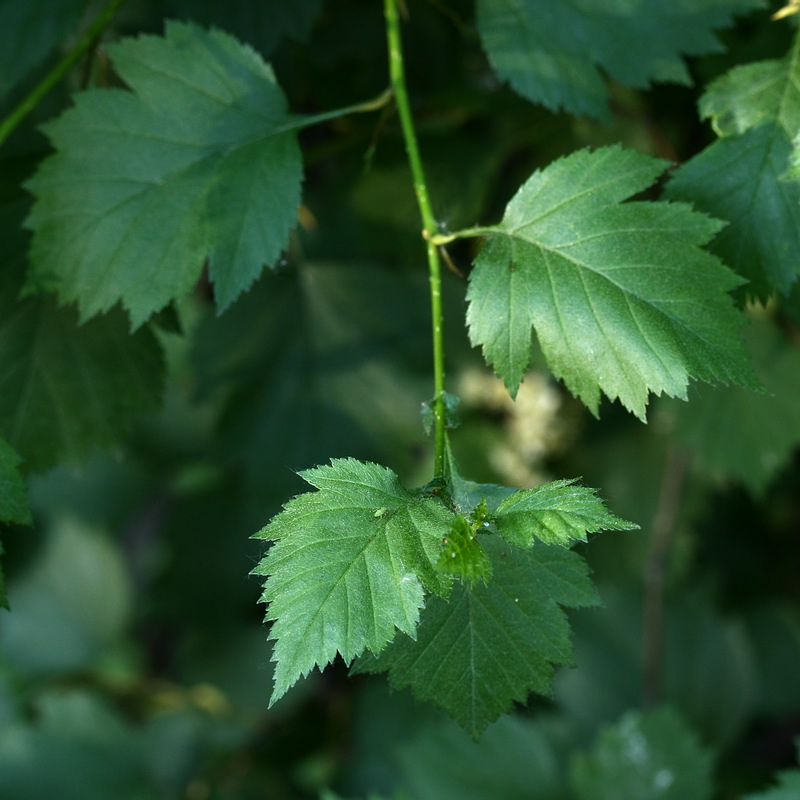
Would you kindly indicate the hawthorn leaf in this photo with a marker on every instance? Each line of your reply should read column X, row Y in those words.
column 65, row 387
column 646, row 756
column 264, row 24
column 767, row 424
column 557, row 513
column 487, row 646
column 13, row 500
column 349, row 566
column 462, row 555
column 556, row 53
column 621, row 296
column 441, row 762
column 745, row 176
column 198, row 162
column 321, row 360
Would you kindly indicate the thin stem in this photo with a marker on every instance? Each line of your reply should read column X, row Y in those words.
column 398, row 83
column 440, row 239
column 358, row 108
column 655, row 569
column 53, row 77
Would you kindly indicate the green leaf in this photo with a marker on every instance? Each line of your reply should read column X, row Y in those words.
column 318, row 361
column 349, row 566
column 31, row 30
column 65, row 387
column 264, row 24
column 558, row 513
column 556, row 53
column 443, row 763
column 487, row 646
column 646, row 756
column 767, row 424
column 198, row 162
column 621, row 296
column 788, row 787
column 462, row 555
column 744, row 176
column 71, row 606
column 13, row 500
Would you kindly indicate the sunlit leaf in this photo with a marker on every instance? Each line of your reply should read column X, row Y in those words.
column 621, row 296
column 348, row 567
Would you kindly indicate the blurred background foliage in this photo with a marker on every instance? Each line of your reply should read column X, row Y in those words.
column 134, row 663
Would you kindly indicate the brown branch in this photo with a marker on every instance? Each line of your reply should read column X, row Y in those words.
column 662, row 529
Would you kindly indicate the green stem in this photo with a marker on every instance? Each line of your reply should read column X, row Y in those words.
column 398, row 83
column 357, row 108
column 440, row 239
column 55, row 75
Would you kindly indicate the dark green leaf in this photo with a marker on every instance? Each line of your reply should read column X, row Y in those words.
column 787, row 788
column 30, row 31
column 318, row 361
column 513, row 756
column 70, row 607
column 767, row 424
column 199, row 161
column 488, row 646
column 65, row 387
column 13, row 500
column 556, row 53
column 348, row 567
column 263, row 24
column 646, row 756
column 743, row 178
column 621, row 297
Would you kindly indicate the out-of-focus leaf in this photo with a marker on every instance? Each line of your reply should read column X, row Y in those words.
column 30, row 31
column 264, row 24
column 556, row 53
column 709, row 672
column 72, row 603
column 199, row 161
column 65, row 387
column 78, row 749
column 329, row 360
column 646, row 756
column 766, row 424
column 514, row 759
column 13, row 500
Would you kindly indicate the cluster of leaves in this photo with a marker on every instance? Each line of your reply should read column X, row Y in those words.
column 182, row 173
